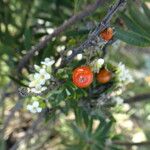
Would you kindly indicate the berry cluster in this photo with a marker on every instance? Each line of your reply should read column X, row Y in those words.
column 83, row 76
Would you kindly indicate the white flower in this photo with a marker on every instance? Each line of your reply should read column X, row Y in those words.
column 35, row 90
column 58, row 63
column 37, row 67
column 100, row 61
column 79, row 57
column 38, row 80
column 42, row 76
column 40, row 21
column 117, row 92
column 38, row 89
column 39, row 109
column 33, row 83
column 29, row 107
column 97, row 64
column 60, row 48
column 124, row 74
column 50, row 30
column 117, row 99
column 35, row 104
column 48, row 62
column 69, row 52
column 34, row 107
column 63, row 38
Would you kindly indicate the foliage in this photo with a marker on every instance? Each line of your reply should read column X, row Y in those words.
column 73, row 118
column 138, row 23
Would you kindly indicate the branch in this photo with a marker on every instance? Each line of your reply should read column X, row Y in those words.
column 46, row 39
column 96, row 95
column 145, row 143
column 138, row 98
column 91, row 41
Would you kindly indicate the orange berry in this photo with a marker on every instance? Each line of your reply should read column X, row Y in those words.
column 82, row 76
column 104, row 76
column 107, row 34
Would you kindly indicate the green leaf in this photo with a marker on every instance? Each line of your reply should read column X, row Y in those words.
column 77, row 131
column 139, row 17
column 103, row 130
column 85, row 118
column 27, row 41
column 132, row 25
column 132, row 38
column 78, row 116
column 90, row 125
column 4, row 49
column 17, row 81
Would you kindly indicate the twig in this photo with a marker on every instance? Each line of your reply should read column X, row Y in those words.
column 87, row 43
column 91, row 41
column 145, row 143
column 46, row 39
column 138, row 98
column 134, row 99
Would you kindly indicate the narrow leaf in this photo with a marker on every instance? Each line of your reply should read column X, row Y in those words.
column 132, row 25
column 139, row 17
column 132, row 38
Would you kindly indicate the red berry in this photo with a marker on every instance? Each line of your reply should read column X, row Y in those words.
column 104, row 76
column 82, row 76
column 107, row 34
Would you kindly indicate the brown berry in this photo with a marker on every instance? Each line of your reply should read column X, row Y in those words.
column 104, row 76
column 107, row 34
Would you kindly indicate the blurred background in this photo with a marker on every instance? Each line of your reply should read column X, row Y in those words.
column 22, row 24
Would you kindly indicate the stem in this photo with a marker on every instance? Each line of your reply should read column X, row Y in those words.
column 102, row 25
column 144, row 143
column 46, row 39
column 138, row 98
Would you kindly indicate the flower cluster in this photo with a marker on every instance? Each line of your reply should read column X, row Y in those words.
column 123, row 74
column 34, row 107
column 42, row 75
column 118, row 100
column 97, row 64
column 117, row 92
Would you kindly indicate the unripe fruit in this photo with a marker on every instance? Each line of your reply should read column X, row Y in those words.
column 104, row 76
column 107, row 34
column 82, row 76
